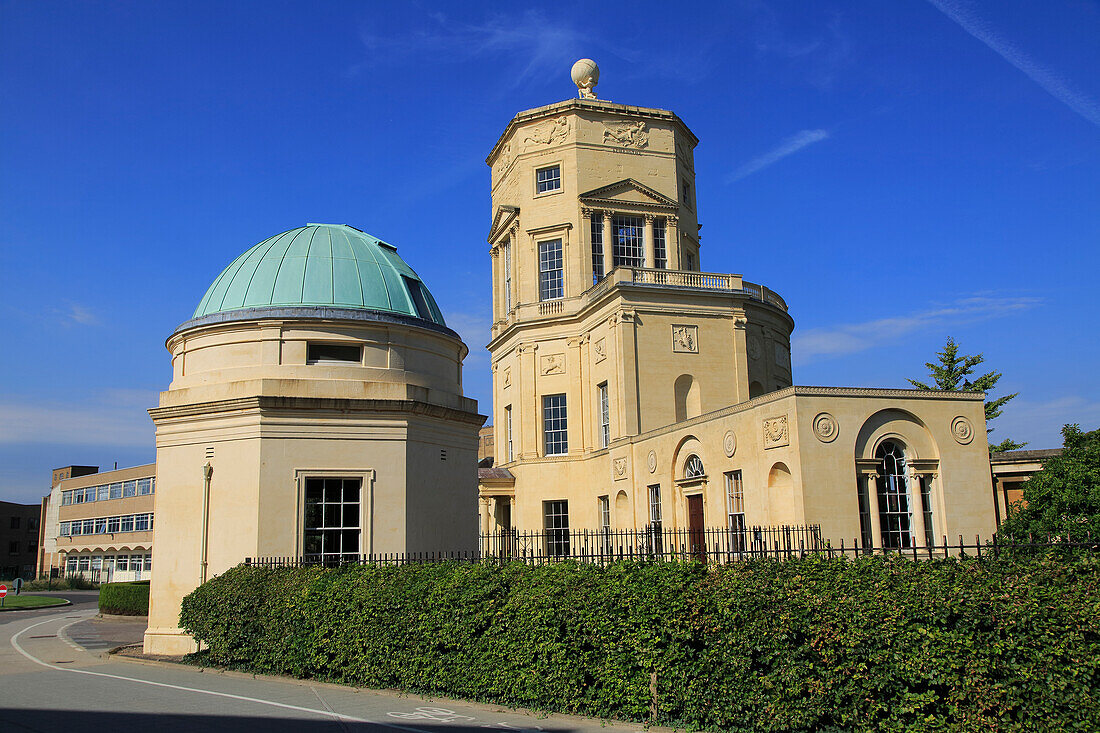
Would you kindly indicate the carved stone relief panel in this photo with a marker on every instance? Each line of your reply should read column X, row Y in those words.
column 962, row 430
column 756, row 348
column 507, row 377
column 504, row 159
column 599, row 349
column 547, row 133
column 685, row 339
column 782, row 356
column 651, row 461
column 618, row 467
column 553, row 364
column 826, row 427
column 627, row 134
column 729, row 443
column 776, row 432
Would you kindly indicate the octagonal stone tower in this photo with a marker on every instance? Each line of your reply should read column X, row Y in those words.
column 315, row 410
column 605, row 323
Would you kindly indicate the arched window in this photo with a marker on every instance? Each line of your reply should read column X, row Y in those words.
column 894, row 501
column 693, row 467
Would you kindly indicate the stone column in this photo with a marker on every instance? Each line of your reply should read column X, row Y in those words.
column 576, row 409
column 608, row 254
column 740, row 356
column 587, row 274
column 650, row 256
column 498, row 284
column 513, row 242
column 872, row 506
column 628, row 405
column 672, row 243
column 916, row 509
column 529, row 402
column 486, row 516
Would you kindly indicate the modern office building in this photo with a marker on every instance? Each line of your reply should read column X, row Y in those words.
column 632, row 388
column 18, row 539
column 99, row 525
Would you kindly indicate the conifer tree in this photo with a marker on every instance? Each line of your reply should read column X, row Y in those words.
column 952, row 374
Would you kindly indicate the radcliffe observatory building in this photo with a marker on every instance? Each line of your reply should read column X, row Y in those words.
column 315, row 410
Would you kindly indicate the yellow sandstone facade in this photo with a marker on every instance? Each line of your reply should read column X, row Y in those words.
column 630, row 387
column 309, row 419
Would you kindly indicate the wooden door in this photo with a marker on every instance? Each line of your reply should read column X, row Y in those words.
column 696, row 541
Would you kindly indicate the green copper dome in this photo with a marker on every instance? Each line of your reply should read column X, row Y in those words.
column 323, row 265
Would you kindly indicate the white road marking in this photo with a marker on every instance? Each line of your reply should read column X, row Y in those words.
column 259, row 701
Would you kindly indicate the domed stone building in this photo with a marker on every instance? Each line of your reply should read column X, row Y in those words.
column 315, row 410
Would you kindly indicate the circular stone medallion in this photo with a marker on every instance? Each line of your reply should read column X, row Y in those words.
column 962, row 430
column 826, row 427
column 729, row 443
column 651, row 461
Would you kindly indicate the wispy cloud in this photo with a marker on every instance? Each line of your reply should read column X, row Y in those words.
column 852, row 338
column 539, row 44
column 77, row 315
column 116, row 418
column 474, row 330
column 1039, row 423
column 788, row 147
column 1053, row 83
column 477, row 380
column 819, row 58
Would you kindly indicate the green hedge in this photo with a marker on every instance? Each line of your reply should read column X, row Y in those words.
column 125, row 599
column 800, row 645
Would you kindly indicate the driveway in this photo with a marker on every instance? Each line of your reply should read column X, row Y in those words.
column 49, row 682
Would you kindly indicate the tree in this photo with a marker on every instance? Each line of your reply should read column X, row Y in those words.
column 1064, row 496
column 952, row 374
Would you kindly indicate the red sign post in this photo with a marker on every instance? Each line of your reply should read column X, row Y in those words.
column 3, row 592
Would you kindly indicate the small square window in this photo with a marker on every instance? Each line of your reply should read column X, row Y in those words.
column 548, row 179
column 334, row 354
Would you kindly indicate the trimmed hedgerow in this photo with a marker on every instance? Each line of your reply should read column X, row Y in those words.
column 125, row 599
column 870, row 644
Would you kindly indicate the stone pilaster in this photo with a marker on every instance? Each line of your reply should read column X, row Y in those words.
column 647, row 238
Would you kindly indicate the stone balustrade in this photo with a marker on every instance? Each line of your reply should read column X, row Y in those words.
column 677, row 279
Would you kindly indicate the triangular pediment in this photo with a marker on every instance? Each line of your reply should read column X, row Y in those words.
column 503, row 218
column 627, row 191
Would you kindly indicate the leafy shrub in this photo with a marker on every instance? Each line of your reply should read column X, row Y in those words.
column 76, row 582
column 870, row 644
column 125, row 599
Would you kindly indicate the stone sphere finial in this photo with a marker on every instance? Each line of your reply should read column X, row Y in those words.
column 586, row 75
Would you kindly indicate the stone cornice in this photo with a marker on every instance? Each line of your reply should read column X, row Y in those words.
column 781, row 394
column 305, row 314
column 261, row 403
column 589, row 105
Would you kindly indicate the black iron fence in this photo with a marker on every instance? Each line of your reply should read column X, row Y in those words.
column 713, row 545
column 653, row 542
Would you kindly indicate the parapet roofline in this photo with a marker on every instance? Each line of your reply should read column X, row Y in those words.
column 594, row 105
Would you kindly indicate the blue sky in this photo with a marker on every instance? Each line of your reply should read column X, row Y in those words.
column 899, row 172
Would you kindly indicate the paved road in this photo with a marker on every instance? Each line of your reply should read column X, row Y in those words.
column 48, row 684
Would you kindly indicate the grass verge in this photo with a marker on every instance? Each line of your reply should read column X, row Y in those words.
column 13, row 602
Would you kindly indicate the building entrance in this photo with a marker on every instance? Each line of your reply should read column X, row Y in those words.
column 696, row 540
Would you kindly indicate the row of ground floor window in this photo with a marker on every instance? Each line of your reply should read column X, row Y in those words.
column 895, row 514
column 137, row 566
